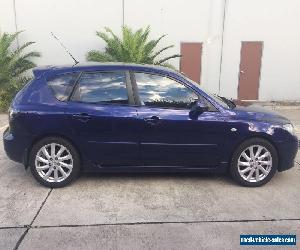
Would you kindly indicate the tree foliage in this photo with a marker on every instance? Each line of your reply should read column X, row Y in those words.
column 14, row 62
column 132, row 47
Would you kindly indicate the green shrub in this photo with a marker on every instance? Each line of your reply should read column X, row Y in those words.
column 8, row 92
column 14, row 64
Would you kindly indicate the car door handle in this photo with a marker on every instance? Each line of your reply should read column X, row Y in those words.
column 83, row 117
column 153, row 120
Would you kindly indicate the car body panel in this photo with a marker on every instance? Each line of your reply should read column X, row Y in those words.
column 108, row 134
column 194, row 142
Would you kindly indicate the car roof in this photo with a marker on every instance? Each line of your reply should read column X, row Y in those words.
column 60, row 69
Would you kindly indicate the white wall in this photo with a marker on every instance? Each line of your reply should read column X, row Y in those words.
column 276, row 22
column 6, row 16
column 184, row 21
column 74, row 22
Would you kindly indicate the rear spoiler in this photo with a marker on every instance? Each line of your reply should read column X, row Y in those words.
column 39, row 71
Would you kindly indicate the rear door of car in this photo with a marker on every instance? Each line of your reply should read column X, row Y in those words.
column 103, row 116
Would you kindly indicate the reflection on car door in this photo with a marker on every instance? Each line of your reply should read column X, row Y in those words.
column 169, row 135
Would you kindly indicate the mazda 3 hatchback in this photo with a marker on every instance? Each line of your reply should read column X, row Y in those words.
column 126, row 117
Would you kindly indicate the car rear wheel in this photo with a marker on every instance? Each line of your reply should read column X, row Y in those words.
column 54, row 162
column 254, row 163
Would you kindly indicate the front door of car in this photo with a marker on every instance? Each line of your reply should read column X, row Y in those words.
column 102, row 117
column 170, row 136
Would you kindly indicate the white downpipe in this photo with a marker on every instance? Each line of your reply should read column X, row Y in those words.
column 212, row 46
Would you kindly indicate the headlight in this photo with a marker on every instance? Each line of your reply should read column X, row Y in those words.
column 289, row 127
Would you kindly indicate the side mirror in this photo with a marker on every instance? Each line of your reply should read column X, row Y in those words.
column 197, row 110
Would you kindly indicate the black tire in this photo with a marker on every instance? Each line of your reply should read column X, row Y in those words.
column 75, row 160
column 234, row 162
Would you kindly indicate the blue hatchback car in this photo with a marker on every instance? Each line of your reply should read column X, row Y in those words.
column 125, row 117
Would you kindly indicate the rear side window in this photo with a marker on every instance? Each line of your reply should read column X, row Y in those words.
column 62, row 85
column 102, row 87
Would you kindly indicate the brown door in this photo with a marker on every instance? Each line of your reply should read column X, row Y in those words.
column 190, row 61
column 249, row 75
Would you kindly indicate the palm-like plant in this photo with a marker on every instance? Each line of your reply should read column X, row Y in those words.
column 14, row 62
column 133, row 47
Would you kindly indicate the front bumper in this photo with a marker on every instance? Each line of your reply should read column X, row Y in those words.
column 287, row 153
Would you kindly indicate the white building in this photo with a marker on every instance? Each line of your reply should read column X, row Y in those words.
column 247, row 49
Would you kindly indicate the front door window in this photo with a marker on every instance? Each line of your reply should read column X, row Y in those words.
column 160, row 91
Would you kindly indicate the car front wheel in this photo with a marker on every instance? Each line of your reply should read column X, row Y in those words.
column 254, row 163
column 54, row 162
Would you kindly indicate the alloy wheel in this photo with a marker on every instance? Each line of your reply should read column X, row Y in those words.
column 54, row 162
column 254, row 163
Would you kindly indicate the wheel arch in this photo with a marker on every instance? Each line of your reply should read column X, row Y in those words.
column 41, row 137
column 254, row 136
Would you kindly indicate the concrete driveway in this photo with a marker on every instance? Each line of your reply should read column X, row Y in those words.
column 143, row 211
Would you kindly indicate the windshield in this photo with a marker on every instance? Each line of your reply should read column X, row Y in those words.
column 215, row 97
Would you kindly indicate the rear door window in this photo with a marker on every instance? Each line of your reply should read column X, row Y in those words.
column 62, row 85
column 102, row 87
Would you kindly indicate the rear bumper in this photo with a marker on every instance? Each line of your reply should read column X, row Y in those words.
column 287, row 153
column 15, row 147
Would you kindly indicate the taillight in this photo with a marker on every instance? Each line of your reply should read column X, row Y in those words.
column 12, row 113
